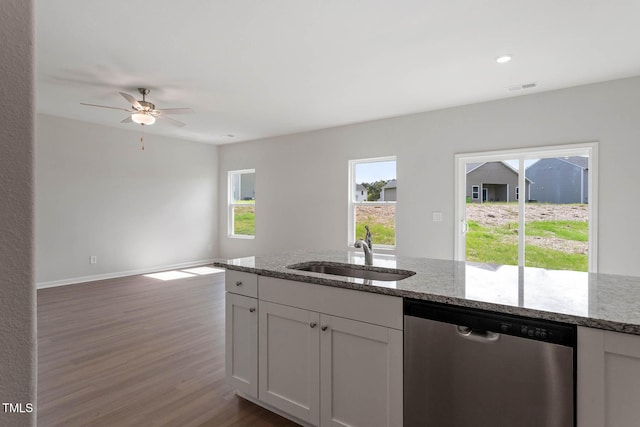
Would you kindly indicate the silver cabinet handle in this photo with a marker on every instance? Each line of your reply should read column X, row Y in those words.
column 238, row 283
column 252, row 309
column 313, row 324
column 324, row 328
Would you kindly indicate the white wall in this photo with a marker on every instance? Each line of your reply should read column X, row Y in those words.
column 301, row 180
column 98, row 194
column 17, row 292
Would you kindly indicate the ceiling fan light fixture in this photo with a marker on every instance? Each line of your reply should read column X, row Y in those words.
column 143, row 118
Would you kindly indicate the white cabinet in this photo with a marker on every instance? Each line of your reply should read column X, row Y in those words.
column 608, row 379
column 289, row 360
column 326, row 369
column 360, row 373
column 241, row 337
column 239, row 282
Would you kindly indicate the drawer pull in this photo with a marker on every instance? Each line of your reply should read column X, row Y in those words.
column 252, row 309
column 313, row 324
column 324, row 328
column 238, row 283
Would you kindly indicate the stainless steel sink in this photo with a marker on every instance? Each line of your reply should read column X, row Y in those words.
column 353, row 270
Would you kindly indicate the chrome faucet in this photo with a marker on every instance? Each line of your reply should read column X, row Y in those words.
column 367, row 246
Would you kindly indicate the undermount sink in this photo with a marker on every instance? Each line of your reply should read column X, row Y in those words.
column 353, row 270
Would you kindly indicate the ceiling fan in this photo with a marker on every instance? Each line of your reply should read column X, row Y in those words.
column 144, row 112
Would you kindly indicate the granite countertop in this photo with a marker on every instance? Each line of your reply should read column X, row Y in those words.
column 602, row 301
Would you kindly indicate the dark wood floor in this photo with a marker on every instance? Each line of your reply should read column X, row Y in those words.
column 137, row 351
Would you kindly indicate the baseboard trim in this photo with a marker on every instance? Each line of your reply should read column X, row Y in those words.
column 75, row 280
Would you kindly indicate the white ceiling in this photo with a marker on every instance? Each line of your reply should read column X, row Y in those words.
column 258, row 68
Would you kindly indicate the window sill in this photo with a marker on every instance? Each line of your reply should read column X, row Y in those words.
column 240, row 236
column 381, row 250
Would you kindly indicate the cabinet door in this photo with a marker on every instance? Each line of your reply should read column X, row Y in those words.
column 241, row 340
column 288, row 360
column 361, row 374
column 608, row 378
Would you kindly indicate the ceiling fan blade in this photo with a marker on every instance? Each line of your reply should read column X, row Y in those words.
column 134, row 102
column 172, row 121
column 164, row 111
column 127, row 120
column 105, row 106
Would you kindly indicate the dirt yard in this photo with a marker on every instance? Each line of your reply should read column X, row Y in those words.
column 383, row 215
column 496, row 214
column 501, row 214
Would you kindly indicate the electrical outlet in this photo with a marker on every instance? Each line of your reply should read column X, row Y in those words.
column 436, row 216
column 93, row 259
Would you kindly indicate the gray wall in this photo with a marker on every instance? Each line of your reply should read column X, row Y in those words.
column 425, row 145
column 557, row 181
column 17, row 293
column 493, row 173
column 389, row 194
column 98, row 194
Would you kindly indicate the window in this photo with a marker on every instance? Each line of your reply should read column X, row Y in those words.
column 242, row 203
column 372, row 201
column 553, row 224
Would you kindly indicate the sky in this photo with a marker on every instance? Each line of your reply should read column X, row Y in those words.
column 516, row 163
column 375, row 171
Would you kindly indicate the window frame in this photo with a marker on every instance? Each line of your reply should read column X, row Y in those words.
column 352, row 204
column 231, row 205
column 475, row 189
column 522, row 154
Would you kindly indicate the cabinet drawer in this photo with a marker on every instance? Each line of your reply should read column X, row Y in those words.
column 384, row 310
column 239, row 282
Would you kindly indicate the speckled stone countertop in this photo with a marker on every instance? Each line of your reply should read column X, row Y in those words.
column 601, row 301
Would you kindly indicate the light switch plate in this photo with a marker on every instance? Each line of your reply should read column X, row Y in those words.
column 436, row 216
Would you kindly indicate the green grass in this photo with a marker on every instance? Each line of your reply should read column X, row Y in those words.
column 554, row 260
column 568, row 230
column 499, row 245
column 382, row 234
column 244, row 220
column 491, row 245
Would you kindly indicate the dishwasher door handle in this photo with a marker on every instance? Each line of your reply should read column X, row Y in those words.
column 477, row 335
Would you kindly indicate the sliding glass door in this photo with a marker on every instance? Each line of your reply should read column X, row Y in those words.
column 530, row 207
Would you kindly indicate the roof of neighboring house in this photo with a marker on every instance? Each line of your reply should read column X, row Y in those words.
column 579, row 161
column 473, row 166
column 360, row 187
column 391, row 184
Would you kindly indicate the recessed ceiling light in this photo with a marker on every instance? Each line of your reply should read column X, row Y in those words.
column 504, row 58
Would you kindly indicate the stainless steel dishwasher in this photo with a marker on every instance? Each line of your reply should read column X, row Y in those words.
column 474, row 368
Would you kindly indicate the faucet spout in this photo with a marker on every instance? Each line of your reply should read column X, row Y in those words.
column 368, row 253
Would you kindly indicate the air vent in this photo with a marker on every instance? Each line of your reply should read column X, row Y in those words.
column 522, row 86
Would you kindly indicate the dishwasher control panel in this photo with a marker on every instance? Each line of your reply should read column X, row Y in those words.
column 483, row 320
column 525, row 331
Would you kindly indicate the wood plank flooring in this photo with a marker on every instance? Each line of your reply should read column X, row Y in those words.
column 138, row 351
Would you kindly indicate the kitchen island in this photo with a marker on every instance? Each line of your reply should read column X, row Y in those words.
column 605, row 308
column 602, row 301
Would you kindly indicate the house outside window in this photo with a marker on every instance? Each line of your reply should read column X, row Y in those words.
column 372, row 201
column 242, row 203
column 517, row 193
